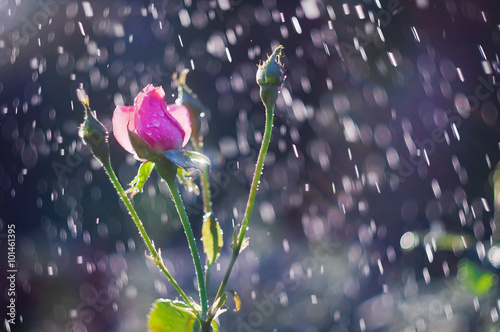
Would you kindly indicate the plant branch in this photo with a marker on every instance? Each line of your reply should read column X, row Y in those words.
column 191, row 241
column 155, row 254
column 251, row 197
column 205, row 191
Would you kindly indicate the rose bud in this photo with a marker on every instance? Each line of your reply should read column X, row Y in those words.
column 270, row 76
column 92, row 131
column 163, row 127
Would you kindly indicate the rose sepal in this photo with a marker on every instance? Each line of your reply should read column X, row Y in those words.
column 180, row 158
column 92, row 131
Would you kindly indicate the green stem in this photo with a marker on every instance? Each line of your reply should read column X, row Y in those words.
column 205, row 192
column 205, row 181
column 251, row 197
column 205, row 326
column 156, row 257
column 191, row 241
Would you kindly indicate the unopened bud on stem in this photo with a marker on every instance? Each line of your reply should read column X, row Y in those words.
column 270, row 77
column 92, row 131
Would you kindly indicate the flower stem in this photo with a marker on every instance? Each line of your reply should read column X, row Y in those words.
column 251, row 197
column 155, row 254
column 191, row 241
column 205, row 191
column 205, row 181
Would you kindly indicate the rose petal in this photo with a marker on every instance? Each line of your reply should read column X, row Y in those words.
column 162, row 127
column 123, row 119
column 162, row 135
column 181, row 115
column 147, row 92
column 149, row 104
column 155, row 125
column 151, row 87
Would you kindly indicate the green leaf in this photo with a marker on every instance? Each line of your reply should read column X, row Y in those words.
column 211, row 236
column 244, row 244
column 185, row 177
column 479, row 281
column 215, row 326
column 143, row 150
column 218, row 304
column 186, row 159
column 178, row 158
column 174, row 316
column 140, row 179
column 198, row 158
column 167, row 315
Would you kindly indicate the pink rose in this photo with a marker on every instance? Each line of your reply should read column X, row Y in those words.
column 164, row 127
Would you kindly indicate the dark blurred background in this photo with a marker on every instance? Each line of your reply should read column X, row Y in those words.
column 375, row 211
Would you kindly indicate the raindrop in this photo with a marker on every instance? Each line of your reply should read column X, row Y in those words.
column 455, row 131
column 408, row 241
column 494, row 256
column 391, row 254
column 428, row 251
column 380, row 266
column 436, row 188
column 476, row 303
column 494, row 315
column 81, row 28
column 86, row 237
column 415, row 33
column 184, row 17
column 286, row 246
column 427, row 276
column 446, row 269
column 480, row 249
column 448, row 311
column 267, row 212
column 362, row 325
column 460, row 74
column 296, row 153
column 296, row 25
column 52, row 270
column 392, row 59
column 87, row 9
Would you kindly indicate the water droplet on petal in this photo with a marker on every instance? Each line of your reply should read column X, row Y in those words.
column 156, row 123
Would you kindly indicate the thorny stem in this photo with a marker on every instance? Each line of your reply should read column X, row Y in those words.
column 251, row 197
column 155, row 254
column 191, row 241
